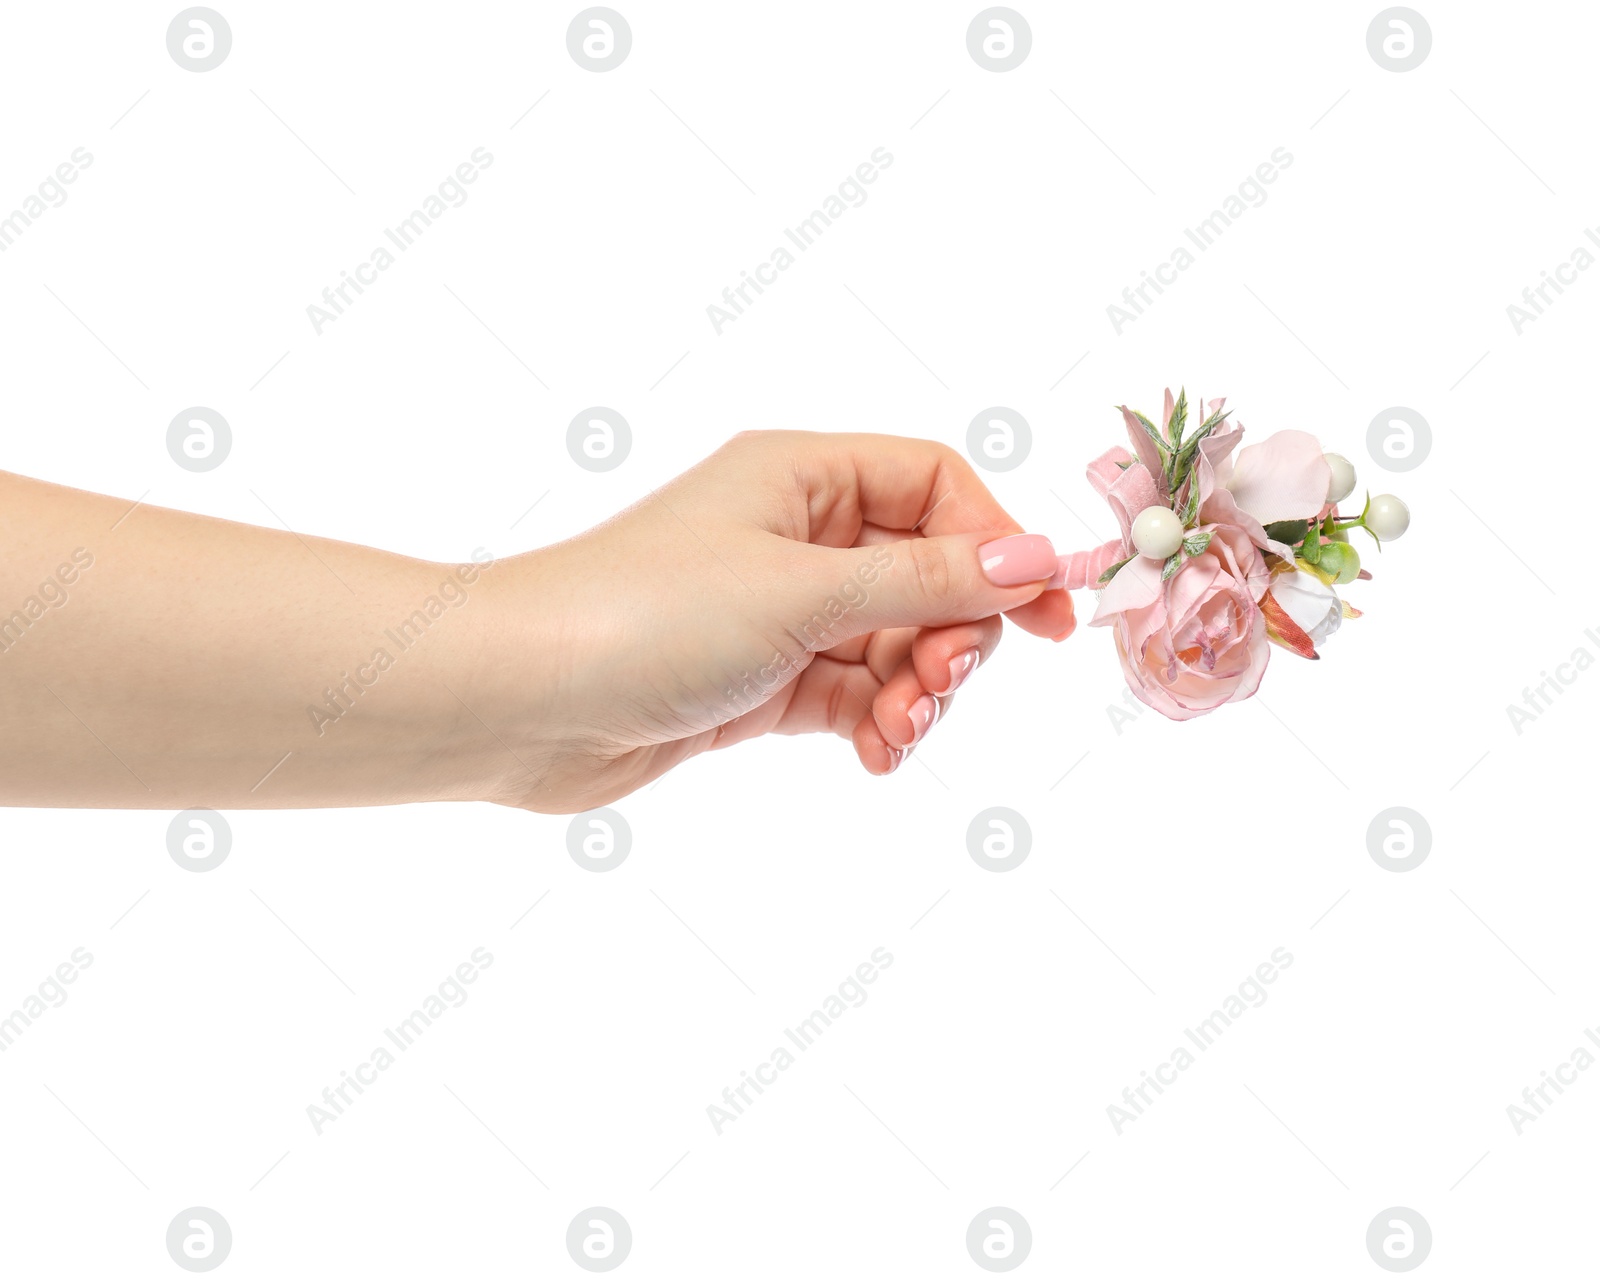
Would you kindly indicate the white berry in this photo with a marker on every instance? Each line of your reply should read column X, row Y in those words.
column 1341, row 477
column 1157, row 533
column 1388, row 517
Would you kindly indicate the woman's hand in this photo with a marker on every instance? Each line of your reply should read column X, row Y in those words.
column 790, row 583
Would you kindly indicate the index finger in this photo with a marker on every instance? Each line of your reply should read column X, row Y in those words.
column 858, row 483
column 849, row 479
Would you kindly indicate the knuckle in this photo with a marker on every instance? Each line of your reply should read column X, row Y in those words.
column 930, row 568
column 954, row 465
column 760, row 442
column 757, row 438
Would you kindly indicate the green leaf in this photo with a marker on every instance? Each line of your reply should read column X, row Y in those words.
column 1191, row 446
column 1179, row 418
column 1172, row 566
column 1112, row 571
column 1191, row 504
column 1311, row 552
column 1288, row 532
column 1152, row 431
column 1197, row 543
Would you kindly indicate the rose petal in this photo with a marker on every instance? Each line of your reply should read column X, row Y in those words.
column 1285, row 477
column 1137, row 584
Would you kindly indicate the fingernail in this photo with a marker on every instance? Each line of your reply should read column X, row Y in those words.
column 924, row 711
column 1021, row 558
column 1070, row 629
column 895, row 757
column 961, row 666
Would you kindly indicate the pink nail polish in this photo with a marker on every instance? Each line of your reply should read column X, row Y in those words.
column 961, row 666
column 924, row 711
column 1019, row 559
column 895, row 757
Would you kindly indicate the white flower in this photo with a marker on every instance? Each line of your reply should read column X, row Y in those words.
column 1314, row 606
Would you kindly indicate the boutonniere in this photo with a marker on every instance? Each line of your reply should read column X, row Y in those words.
column 1224, row 551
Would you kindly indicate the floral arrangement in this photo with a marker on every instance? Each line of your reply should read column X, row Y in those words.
column 1221, row 555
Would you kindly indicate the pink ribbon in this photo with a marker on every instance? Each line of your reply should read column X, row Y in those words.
column 1083, row 568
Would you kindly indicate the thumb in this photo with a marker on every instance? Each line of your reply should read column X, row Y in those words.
column 926, row 582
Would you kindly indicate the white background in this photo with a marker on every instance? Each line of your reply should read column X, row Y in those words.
column 1167, row 864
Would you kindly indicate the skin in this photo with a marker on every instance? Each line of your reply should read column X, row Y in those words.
column 181, row 667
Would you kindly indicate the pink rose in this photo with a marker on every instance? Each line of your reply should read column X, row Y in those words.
column 1198, row 640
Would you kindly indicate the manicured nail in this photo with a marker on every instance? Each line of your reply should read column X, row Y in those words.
column 895, row 757
column 961, row 666
column 924, row 711
column 1073, row 627
column 1021, row 558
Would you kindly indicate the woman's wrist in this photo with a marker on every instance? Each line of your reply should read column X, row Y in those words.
column 491, row 679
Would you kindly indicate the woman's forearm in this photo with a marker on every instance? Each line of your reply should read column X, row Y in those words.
column 176, row 661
